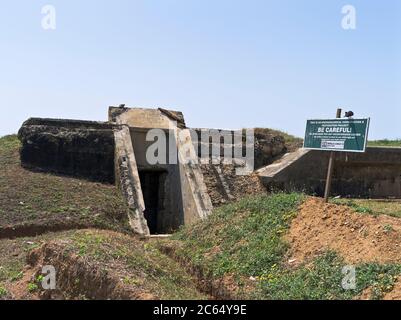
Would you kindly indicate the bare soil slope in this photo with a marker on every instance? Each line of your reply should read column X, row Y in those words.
column 357, row 237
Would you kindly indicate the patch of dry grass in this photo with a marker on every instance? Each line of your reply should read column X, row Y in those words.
column 28, row 197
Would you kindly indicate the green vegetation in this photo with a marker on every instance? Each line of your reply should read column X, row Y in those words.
column 385, row 143
column 3, row 292
column 322, row 280
column 141, row 263
column 32, row 287
column 374, row 207
column 233, row 239
column 12, row 260
column 8, row 143
column 244, row 241
column 13, row 253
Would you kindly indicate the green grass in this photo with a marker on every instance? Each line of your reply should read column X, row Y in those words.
column 8, row 143
column 385, row 143
column 140, row 262
column 3, row 292
column 374, row 207
column 245, row 240
column 322, row 280
column 12, row 259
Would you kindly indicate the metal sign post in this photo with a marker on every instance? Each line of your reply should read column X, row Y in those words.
column 330, row 168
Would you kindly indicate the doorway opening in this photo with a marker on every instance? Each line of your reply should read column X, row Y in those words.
column 153, row 190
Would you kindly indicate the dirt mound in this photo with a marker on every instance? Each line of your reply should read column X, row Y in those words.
column 358, row 238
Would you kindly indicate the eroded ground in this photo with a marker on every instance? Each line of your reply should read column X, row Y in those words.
column 92, row 264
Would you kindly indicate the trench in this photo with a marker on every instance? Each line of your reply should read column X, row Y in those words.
column 34, row 230
column 214, row 288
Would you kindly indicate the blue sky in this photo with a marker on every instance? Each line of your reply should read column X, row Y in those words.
column 225, row 64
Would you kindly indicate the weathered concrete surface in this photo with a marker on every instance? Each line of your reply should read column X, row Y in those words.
column 196, row 200
column 271, row 171
column 127, row 178
column 224, row 185
column 267, row 147
column 145, row 118
column 185, row 198
column 78, row 148
column 374, row 174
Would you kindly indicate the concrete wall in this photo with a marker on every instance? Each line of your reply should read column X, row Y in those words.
column 127, row 179
column 374, row 174
column 267, row 147
column 195, row 198
column 72, row 147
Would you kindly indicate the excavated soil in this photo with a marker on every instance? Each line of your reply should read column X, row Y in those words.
column 358, row 238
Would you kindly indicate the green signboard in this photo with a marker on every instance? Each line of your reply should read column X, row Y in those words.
column 348, row 135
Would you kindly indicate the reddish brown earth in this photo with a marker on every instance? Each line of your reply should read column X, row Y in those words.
column 357, row 237
column 395, row 294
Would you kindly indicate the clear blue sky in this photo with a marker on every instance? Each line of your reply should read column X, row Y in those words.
column 224, row 63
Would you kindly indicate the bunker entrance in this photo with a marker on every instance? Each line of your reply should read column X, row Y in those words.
column 153, row 195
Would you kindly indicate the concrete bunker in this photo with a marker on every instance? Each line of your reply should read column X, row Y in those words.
column 163, row 193
column 160, row 195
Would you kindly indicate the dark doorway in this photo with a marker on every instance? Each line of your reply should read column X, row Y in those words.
column 150, row 183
